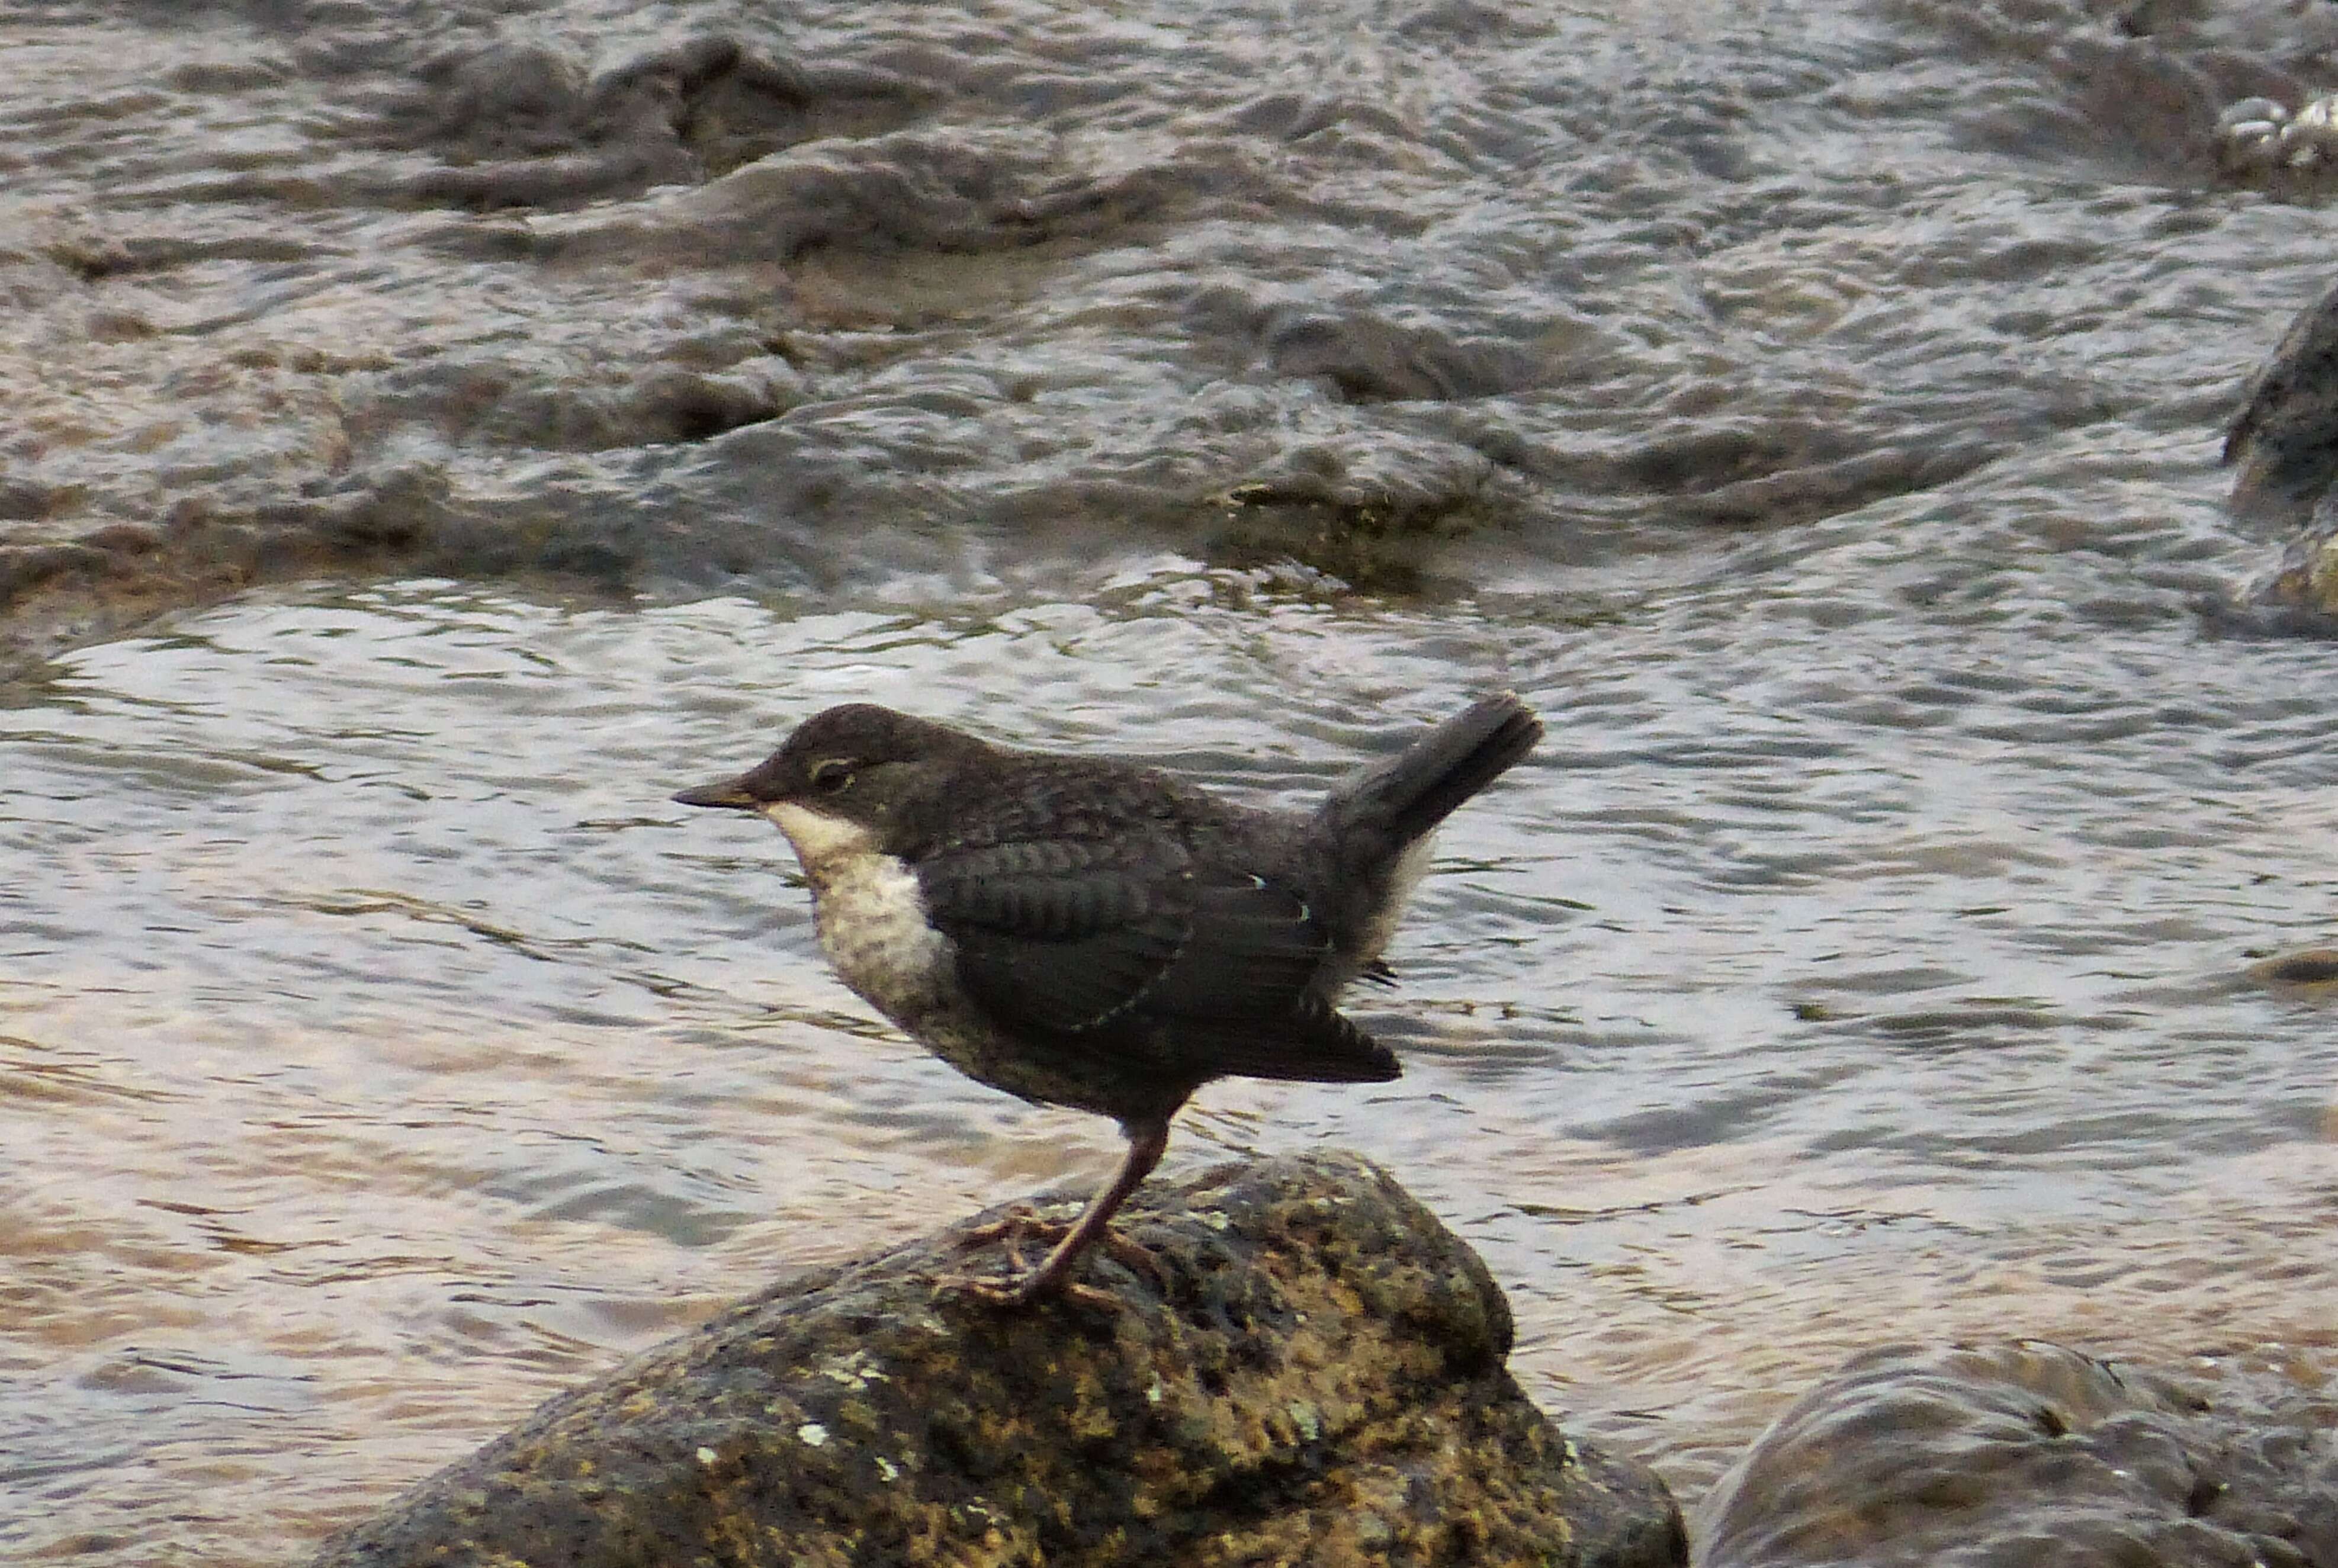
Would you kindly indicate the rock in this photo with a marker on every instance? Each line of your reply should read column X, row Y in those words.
column 2016, row 1454
column 2283, row 446
column 2312, row 971
column 1311, row 1369
column 2284, row 442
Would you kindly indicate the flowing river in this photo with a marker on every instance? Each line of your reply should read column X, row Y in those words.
column 1812, row 411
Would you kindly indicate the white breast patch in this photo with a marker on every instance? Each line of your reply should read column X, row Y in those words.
column 872, row 915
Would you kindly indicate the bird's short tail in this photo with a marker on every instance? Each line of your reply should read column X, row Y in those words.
column 1400, row 800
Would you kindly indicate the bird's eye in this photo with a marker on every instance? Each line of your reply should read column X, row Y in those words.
column 830, row 776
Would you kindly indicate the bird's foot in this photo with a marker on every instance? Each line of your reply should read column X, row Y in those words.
column 1052, row 1277
column 1135, row 1257
column 1011, row 1227
column 1015, row 1293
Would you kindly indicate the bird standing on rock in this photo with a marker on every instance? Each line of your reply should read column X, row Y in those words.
column 1089, row 932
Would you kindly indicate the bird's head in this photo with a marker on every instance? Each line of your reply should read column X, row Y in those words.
column 850, row 778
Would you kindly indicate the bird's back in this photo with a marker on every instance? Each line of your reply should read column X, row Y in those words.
column 1136, row 935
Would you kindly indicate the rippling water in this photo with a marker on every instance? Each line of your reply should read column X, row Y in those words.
column 1811, row 409
column 383, row 1053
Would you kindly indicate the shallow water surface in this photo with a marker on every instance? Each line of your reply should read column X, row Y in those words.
column 384, row 1051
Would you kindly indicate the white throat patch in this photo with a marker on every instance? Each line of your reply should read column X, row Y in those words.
column 821, row 841
column 872, row 915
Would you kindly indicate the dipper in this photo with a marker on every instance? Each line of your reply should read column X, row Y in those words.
column 1090, row 932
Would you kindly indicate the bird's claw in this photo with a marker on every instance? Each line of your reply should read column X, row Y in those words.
column 1017, row 1293
column 1018, row 1221
column 1135, row 1257
column 1021, row 1221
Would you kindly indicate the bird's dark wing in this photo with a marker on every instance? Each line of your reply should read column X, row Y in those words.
column 1056, row 935
column 1127, row 947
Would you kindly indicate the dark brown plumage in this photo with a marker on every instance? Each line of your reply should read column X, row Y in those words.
column 1088, row 932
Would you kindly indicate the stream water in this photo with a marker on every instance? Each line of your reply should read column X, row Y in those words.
column 383, row 1052
column 1813, row 410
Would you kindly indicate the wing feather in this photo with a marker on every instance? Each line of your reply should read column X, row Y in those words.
column 1127, row 947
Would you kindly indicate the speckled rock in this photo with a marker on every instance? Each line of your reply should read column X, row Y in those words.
column 1312, row 1371
column 2012, row 1455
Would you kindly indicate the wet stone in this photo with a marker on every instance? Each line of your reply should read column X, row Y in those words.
column 2314, row 972
column 1979, row 1457
column 1312, row 1369
column 2283, row 443
column 2283, row 447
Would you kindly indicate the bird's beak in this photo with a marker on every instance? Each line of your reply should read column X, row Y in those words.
column 731, row 793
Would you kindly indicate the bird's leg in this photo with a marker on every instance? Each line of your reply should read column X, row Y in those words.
column 1146, row 1141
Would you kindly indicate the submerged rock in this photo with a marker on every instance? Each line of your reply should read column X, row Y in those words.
column 1311, row 1369
column 2016, row 1455
column 2310, row 972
